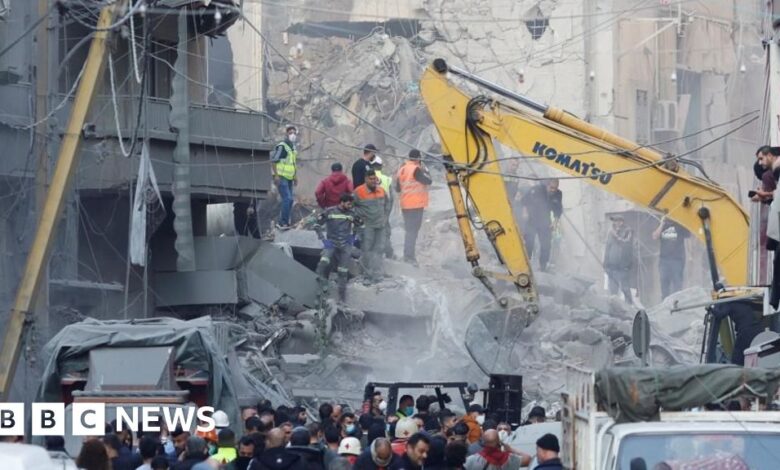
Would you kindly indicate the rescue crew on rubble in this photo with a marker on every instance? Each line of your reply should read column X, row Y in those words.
column 284, row 171
column 363, row 164
column 412, row 182
column 330, row 189
column 541, row 210
column 619, row 257
column 372, row 206
column 386, row 182
column 338, row 243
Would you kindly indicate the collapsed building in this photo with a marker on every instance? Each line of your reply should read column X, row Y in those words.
column 216, row 128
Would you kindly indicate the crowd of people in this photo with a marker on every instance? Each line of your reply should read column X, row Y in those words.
column 420, row 435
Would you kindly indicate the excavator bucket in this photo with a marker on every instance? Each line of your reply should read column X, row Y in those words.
column 491, row 337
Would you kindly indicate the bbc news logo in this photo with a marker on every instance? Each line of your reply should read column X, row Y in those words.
column 89, row 419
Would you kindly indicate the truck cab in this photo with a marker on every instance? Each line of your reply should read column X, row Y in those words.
column 706, row 439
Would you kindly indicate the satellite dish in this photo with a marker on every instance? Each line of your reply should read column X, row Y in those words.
column 640, row 336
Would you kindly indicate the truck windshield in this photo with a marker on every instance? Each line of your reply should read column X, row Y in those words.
column 732, row 451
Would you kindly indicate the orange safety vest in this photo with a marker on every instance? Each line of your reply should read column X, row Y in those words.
column 414, row 195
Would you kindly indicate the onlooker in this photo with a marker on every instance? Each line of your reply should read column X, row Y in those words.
column 120, row 456
column 536, row 415
column 474, row 419
column 492, row 456
column 619, row 257
column 671, row 258
column 195, row 451
column 93, row 456
column 311, row 458
column 547, row 449
column 541, row 209
column 372, row 206
column 455, row 454
column 405, row 407
column 276, row 457
column 416, row 452
column 362, row 165
column 147, row 449
column 379, row 456
column 284, row 170
column 330, row 189
column 412, row 181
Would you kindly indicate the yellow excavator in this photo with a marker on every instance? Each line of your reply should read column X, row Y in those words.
column 468, row 125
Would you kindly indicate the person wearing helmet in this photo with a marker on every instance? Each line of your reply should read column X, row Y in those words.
column 386, row 183
column 404, row 429
column 338, row 243
column 350, row 449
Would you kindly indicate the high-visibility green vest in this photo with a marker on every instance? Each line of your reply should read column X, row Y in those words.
column 285, row 168
column 384, row 181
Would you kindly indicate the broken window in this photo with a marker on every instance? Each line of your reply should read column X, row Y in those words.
column 642, row 110
column 536, row 22
column 161, row 68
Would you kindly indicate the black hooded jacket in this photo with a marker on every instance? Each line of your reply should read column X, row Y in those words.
column 278, row 458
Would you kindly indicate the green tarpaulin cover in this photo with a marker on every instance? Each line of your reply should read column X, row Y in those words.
column 631, row 394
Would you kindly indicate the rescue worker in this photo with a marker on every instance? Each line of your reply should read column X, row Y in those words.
column 226, row 447
column 284, row 171
column 339, row 222
column 412, row 182
column 372, row 206
column 350, row 449
column 405, row 407
column 330, row 189
column 541, row 207
column 386, row 182
column 363, row 164
column 619, row 257
column 404, row 429
column 671, row 257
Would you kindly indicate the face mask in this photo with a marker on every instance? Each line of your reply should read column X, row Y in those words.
column 382, row 406
column 169, row 448
column 409, row 410
column 350, row 428
column 293, row 137
column 503, row 435
column 481, row 419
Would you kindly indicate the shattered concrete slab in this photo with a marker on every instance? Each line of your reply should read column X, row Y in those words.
column 272, row 265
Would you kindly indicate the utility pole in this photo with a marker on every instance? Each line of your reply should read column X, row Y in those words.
column 42, row 50
column 67, row 162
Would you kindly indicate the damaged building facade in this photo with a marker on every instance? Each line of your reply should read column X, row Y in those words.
column 168, row 82
column 651, row 72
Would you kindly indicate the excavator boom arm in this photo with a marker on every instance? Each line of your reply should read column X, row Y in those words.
column 468, row 125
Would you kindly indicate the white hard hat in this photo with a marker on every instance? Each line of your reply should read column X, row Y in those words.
column 377, row 160
column 221, row 419
column 405, row 427
column 350, row 446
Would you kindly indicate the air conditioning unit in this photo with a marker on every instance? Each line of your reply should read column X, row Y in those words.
column 665, row 116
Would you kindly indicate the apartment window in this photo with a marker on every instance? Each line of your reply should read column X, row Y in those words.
column 642, row 118
column 160, row 68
